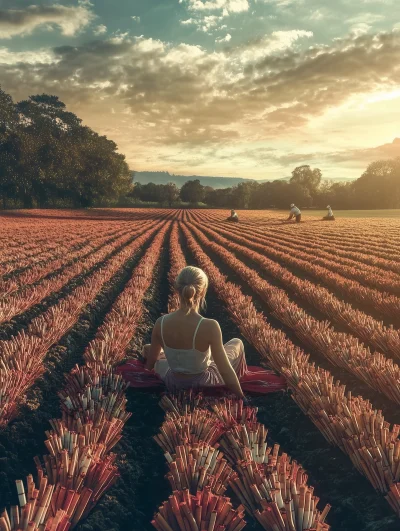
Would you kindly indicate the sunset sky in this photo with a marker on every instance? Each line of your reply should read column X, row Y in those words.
column 247, row 88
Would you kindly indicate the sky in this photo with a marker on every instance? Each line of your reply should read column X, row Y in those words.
column 238, row 88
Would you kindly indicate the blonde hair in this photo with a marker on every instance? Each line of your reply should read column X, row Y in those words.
column 191, row 284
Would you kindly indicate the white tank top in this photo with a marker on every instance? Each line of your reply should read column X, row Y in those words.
column 186, row 361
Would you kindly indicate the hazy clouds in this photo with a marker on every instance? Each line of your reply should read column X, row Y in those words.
column 174, row 98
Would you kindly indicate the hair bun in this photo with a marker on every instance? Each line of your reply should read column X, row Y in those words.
column 189, row 292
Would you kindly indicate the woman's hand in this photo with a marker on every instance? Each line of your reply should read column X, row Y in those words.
column 145, row 351
column 151, row 353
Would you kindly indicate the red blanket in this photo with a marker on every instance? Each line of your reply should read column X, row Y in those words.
column 256, row 380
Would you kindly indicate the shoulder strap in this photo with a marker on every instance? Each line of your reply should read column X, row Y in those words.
column 162, row 334
column 195, row 332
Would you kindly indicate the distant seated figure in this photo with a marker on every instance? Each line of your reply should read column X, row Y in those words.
column 233, row 217
column 330, row 216
column 294, row 213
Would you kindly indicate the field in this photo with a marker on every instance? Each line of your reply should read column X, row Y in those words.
column 319, row 303
column 388, row 213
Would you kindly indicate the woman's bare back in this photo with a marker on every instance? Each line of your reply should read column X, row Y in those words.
column 179, row 330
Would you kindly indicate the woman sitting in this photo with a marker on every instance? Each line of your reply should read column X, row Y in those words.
column 186, row 349
column 329, row 216
column 233, row 217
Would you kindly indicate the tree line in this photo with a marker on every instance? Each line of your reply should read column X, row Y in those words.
column 48, row 158
column 378, row 187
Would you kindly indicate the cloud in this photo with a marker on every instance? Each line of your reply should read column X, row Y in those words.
column 225, row 6
column 274, row 43
column 206, row 23
column 350, row 157
column 71, row 19
column 188, row 21
column 365, row 18
column 203, row 13
column 136, row 19
column 100, row 30
column 280, row 3
column 385, row 151
column 227, row 38
column 165, row 96
column 40, row 56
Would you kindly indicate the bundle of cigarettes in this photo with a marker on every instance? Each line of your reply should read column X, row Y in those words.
column 93, row 394
column 48, row 507
column 243, row 441
column 233, row 411
column 268, row 484
column 196, row 466
column 181, row 403
column 66, row 436
column 200, row 425
column 393, row 497
column 84, row 466
column 276, row 493
column 203, row 511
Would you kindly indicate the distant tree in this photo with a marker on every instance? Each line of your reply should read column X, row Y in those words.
column 243, row 193
column 8, row 147
column 192, row 192
column 220, row 198
column 379, row 185
column 149, row 192
column 170, row 193
column 272, row 194
column 342, row 195
column 307, row 178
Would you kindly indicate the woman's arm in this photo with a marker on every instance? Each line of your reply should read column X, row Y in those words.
column 221, row 360
column 155, row 347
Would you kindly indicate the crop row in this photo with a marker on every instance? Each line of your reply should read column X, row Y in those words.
column 21, row 357
column 214, row 443
column 340, row 349
column 65, row 237
column 58, row 259
column 316, row 245
column 80, row 467
column 350, row 423
column 27, row 297
column 352, row 237
column 369, row 276
column 177, row 262
column 365, row 327
column 30, row 248
column 385, row 304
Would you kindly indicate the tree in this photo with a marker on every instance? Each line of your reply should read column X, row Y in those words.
column 8, row 139
column 170, row 193
column 243, row 193
column 46, row 155
column 101, row 174
column 220, row 198
column 192, row 192
column 307, row 178
column 379, row 185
